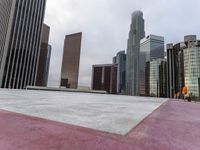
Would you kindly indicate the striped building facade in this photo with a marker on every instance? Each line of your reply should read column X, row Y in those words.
column 20, row 38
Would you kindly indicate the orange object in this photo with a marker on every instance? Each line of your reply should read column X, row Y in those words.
column 185, row 90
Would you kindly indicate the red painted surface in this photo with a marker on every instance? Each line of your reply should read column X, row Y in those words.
column 174, row 126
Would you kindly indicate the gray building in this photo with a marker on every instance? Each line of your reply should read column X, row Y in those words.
column 44, row 58
column 156, row 81
column 133, row 51
column 184, row 67
column 20, row 37
column 48, row 63
column 120, row 60
column 151, row 47
column 191, row 63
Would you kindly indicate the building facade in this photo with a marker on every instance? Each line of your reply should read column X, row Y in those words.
column 20, row 37
column 133, row 51
column 191, row 60
column 163, row 78
column 48, row 63
column 184, row 67
column 175, row 68
column 104, row 78
column 44, row 58
column 151, row 47
column 199, row 88
column 156, row 82
column 120, row 60
column 71, row 60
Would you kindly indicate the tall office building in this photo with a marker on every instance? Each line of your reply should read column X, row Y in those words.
column 133, row 51
column 163, row 78
column 175, row 69
column 20, row 36
column 120, row 60
column 191, row 59
column 44, row 58
column 71, row 59
column 184, row 66
column 104, row 78
column 156, row 81
column 199, row 87
column 151, row 47
column 48, row 63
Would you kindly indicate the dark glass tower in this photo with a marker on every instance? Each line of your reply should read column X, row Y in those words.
column 20, row 27
column 133, row 51
column 120, row 60
column 44, row 58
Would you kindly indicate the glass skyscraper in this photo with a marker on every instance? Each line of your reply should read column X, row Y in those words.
column 184, row 67
column 191, row 58
column 156, row 78
column 44, row 58
column 133, row 51
column 120, row 60
column 151, row 47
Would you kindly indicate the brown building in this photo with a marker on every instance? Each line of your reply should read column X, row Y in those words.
column 105, row 78
column 71, row 59
column 44, row 58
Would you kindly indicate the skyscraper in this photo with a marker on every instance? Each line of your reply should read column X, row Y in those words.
column 191, row 63
column 151, row 47
column 133, row 51
column 199, row 87
column 163, row 78
column 20, row 28
column 156, row 81
column 44, row 58
column 183, row 66
column 71, row 59
column 175, row 69
column 120, row 60
column 48, row 63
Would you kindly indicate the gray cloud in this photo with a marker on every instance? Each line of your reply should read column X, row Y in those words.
column 105, row 26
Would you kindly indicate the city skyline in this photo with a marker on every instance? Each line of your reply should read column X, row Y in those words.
column 99, row 75
column 113, row 28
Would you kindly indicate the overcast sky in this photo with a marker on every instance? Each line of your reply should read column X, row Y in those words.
column 105, row 25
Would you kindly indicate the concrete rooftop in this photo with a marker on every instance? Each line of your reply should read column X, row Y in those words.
column 174, row 125
column 110, row 113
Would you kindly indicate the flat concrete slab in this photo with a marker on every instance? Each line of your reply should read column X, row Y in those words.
column 173, row 126
column 108, row 113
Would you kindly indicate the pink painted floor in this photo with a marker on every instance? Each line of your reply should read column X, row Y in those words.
column 173, row 126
